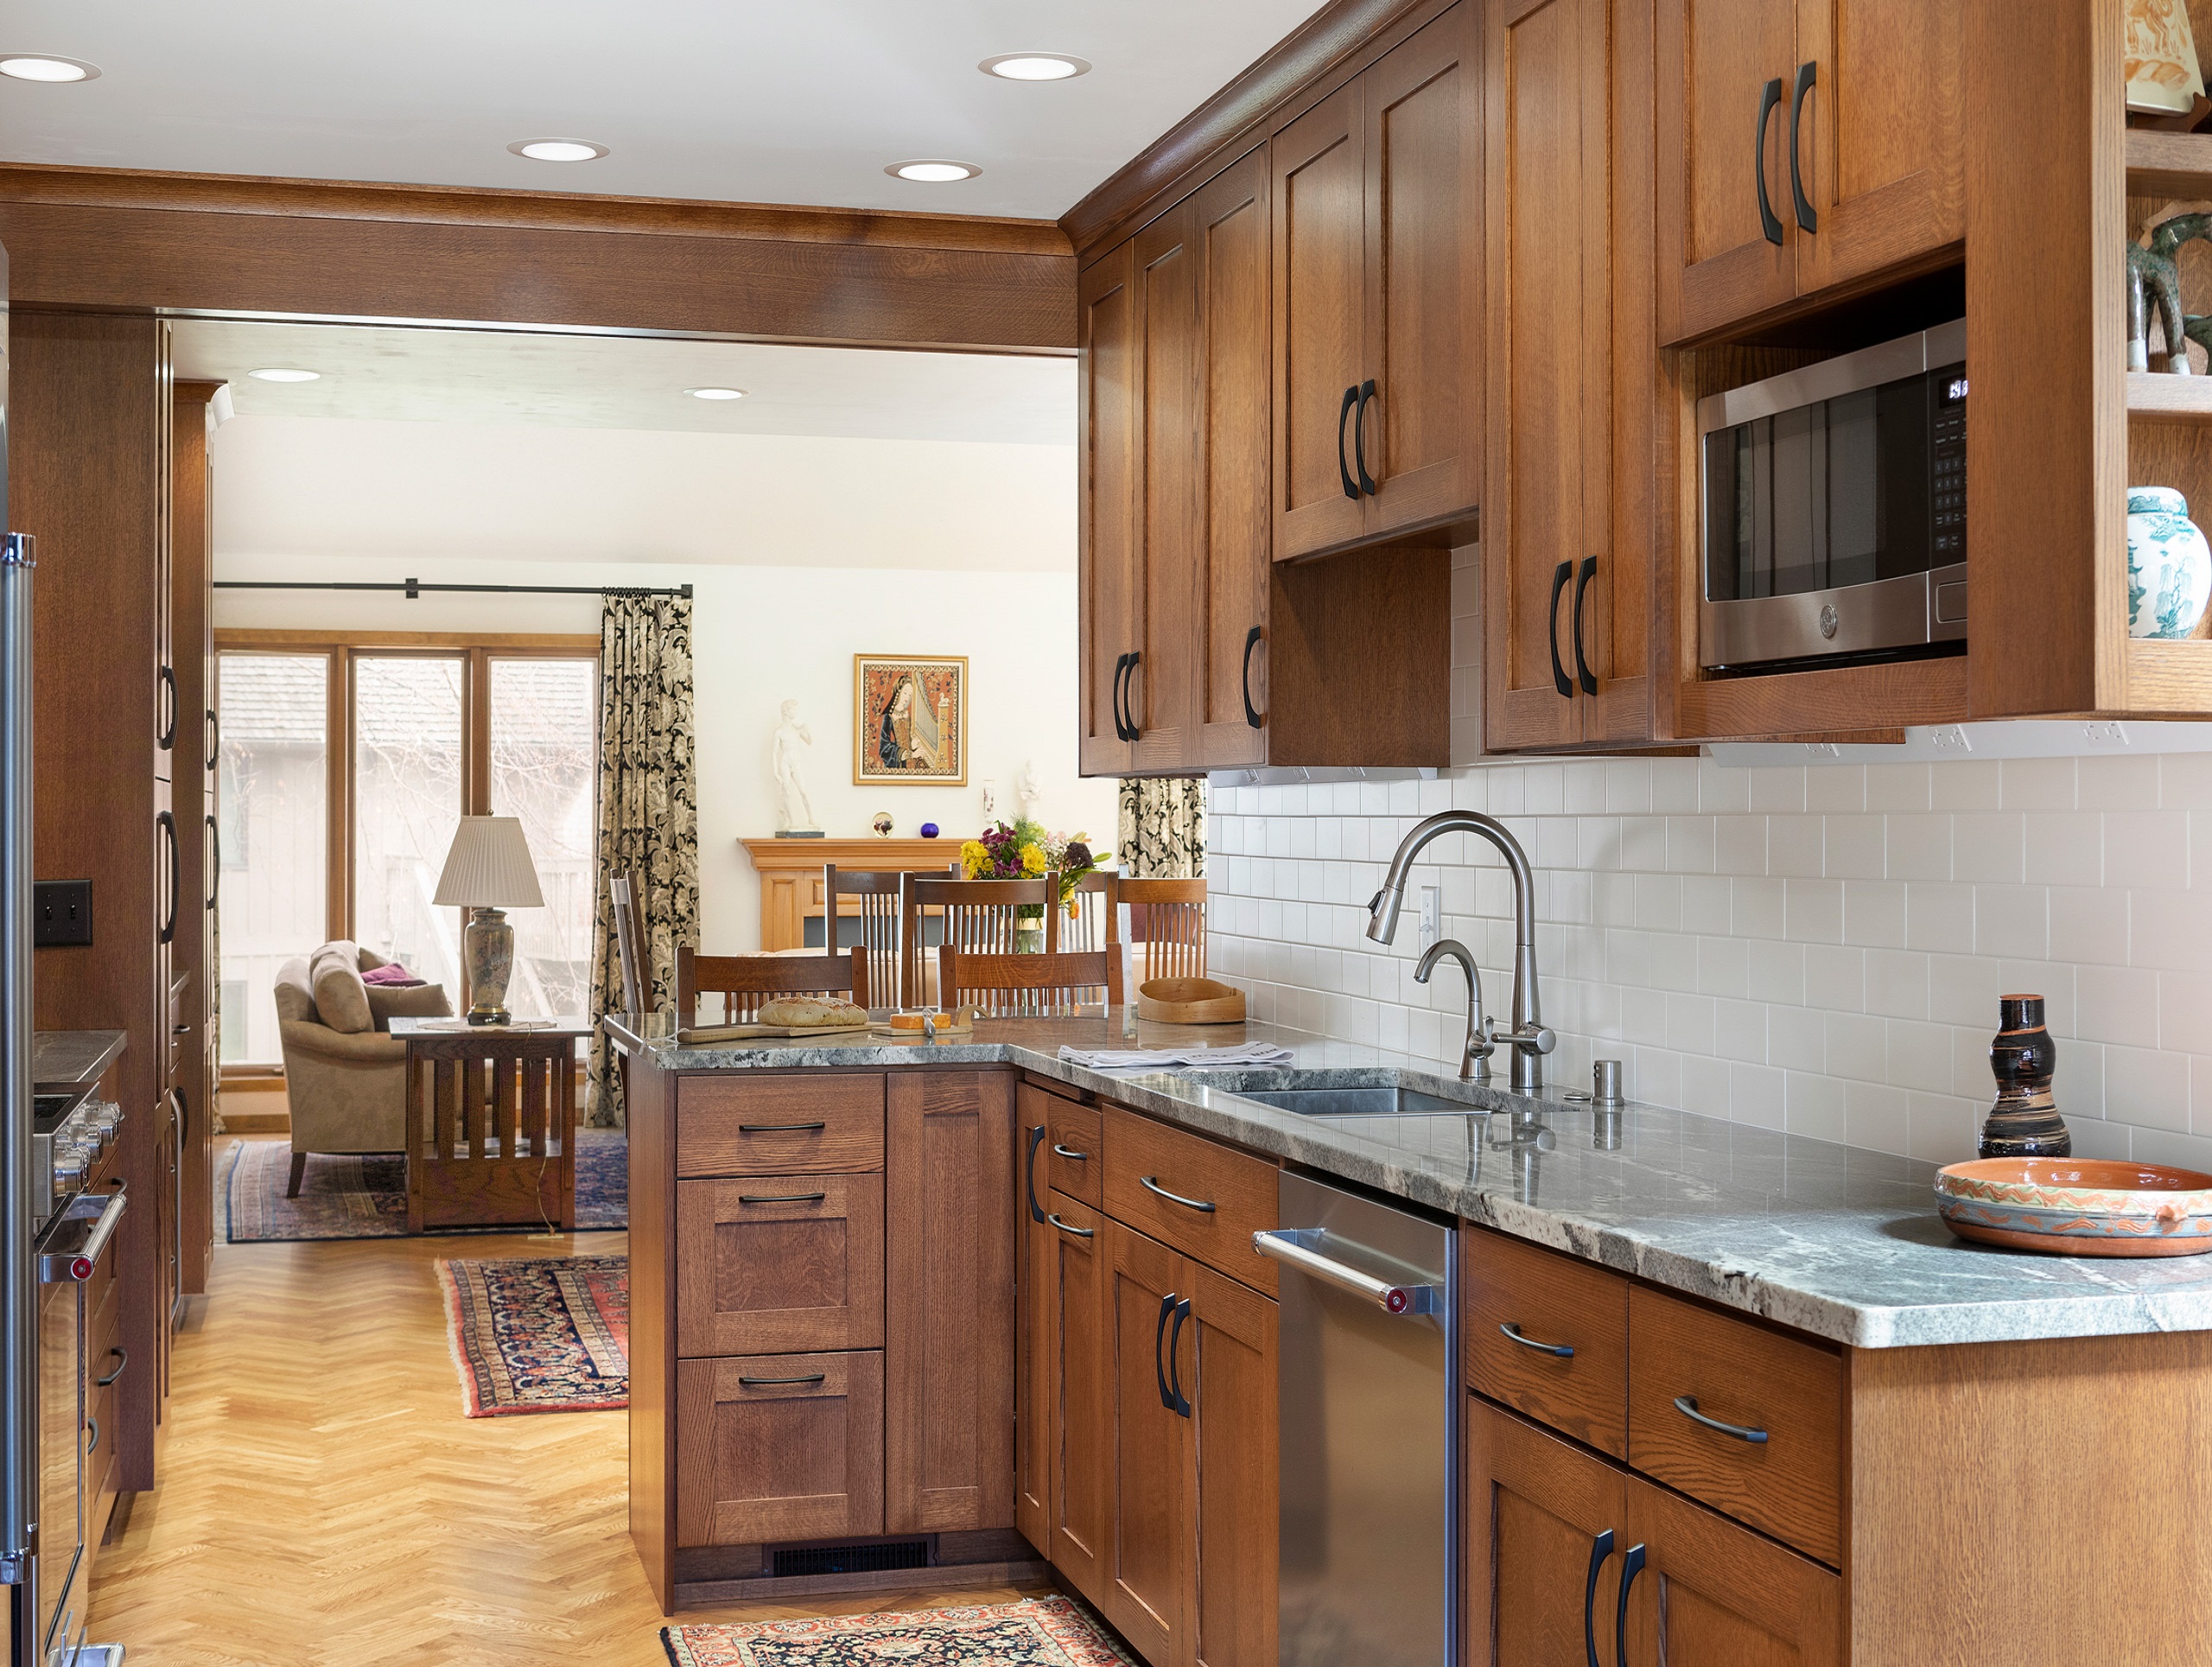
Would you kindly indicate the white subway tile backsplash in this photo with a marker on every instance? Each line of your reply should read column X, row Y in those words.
column 1814, row 948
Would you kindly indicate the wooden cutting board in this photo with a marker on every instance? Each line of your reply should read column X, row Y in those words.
column 747, row 1033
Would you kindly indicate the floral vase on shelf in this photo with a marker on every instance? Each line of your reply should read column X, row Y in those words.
column 2168, row 564
column 1024, row 850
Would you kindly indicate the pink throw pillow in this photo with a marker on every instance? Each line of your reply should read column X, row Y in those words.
column 391, row 973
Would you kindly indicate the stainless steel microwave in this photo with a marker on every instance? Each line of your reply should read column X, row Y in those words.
column 1834, row 508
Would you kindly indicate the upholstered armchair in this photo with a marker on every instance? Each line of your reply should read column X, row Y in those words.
column 345, row 1073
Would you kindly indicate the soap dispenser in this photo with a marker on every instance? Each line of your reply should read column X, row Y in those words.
column 2024, row 1121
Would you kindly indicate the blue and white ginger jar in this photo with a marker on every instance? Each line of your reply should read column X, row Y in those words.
column 2168, row 564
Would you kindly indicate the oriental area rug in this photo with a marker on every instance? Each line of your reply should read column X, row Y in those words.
column 540, row 1333
column 1053, row 1632
column 348, row 1196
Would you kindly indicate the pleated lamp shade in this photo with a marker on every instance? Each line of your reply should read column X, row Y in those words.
column 489, row 867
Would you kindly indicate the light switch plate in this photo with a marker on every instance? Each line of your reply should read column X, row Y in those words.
column 1431, row 916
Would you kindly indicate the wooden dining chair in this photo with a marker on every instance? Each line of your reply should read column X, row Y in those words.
column 981, row 916
column 622, row 892
column 1081, row 922
column 1166, row 929
column 876, row 896
column 1024, row 986
column 747, row 983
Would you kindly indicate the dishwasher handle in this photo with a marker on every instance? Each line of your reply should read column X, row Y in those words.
column 1284, row 1246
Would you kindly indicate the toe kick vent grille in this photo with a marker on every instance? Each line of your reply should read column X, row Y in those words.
column 853, row 1559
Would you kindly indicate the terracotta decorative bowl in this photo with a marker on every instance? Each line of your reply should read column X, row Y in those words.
column 2078, row 1206
column 1190, row 1002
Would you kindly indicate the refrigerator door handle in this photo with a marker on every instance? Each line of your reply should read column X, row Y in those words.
column 1283, row 1245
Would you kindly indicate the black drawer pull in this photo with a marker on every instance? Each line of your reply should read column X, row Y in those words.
column 92, row 1445
column 123, row 1359
column 1808, row 220
column 1251, row 713
column 1152, row 1185
column 1686, row 1405
column 1344, row 411
column 1559, row 1349
column 772, row 1383
column 1029, row 1174
column 780, row 1128
column 1060, row 1151
column 1359, row 438
column 1584, row 674
column 1631, row 1566
column 1561, row 681
column 1770, row 222
column 1601, row 1547
column 781, row 1198
column 1073, row 1232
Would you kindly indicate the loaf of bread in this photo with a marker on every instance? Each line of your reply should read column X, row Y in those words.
column 813, row 1013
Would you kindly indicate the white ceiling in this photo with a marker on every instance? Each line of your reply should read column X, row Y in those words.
column 737, row 100
column 502, row 379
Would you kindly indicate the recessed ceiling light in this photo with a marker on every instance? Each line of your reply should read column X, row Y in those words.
column 558, row 151
column 1035, row 66
column 934, row 172
column 277, row 374
column 715, row 393
column 39, row 67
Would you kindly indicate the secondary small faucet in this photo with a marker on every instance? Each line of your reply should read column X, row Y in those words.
column 1474, row 1055
column 1527, row 1039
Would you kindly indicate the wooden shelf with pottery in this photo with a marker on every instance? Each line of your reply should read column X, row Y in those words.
column 2168, row 165
column 2166, row 397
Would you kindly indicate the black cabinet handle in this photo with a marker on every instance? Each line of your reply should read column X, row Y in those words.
column 1181, row 1405
column 1072, row 1232
column 1121, row 723
column 1770, row 222
column 167, row 737
column 765, row 1383
column 1129, row 696
column 123, row 1359
column 1350, row 486
column 1060, row 1151
column 215, row 739
column 781, row 1128
column 1631, row 1566
column 1686, row 1405
column 1600, row 1549
column 177, row 873
column 1359, row 437
column 1159, row 1337
column 1807, row 219
column 1561, row 681
column 1559, row 1349
column 781, row 1198
column 1251, row 642
column 215, row 857
column 92, row 1445
column 1029, row 1180
column 1587, row 677
column 1153, row 1186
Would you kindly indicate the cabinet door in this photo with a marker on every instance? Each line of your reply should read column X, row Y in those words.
column 1226, row 1362
column 1715, row 1593
column 1549, row 307
column 1881, row 149
column 949, row 1301
column 1160, row 692
column 782, row 1265
column 779, row 1447
column 1423, row 145
column 1717, row 260
column 1082, row 1392
column 1318, row 188
column 1108, row 603
column 1229, row 219
column 1545, row 1540
column 1034, row 1342
column 1147, row 1551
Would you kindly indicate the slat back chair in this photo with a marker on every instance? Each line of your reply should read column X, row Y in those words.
column 746, row 983
column 1167, row 928
column 877, row 895
column 629, row 949
column 914, row 966
column 1024, row 986
column 981, row 916
column 1082, row 921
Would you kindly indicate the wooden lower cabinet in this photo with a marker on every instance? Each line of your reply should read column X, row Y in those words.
column 780, row 1264
column 1553, row 1531
column 1079, row 1401
column 1148, row 1462
column 1228, row 1375
column 779, row 1447
column 1032, row 1357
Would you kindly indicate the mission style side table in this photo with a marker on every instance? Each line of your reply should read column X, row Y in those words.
column 491, row 1124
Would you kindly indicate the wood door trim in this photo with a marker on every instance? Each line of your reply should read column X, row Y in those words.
column 543, row 645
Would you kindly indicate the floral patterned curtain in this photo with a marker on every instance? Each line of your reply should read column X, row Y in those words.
column 1163, row 832
column 648, row 807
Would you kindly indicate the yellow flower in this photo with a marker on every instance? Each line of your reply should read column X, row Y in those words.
column 974, row 858
column 1033, row 859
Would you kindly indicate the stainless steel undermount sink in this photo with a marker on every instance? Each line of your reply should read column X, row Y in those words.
column 1358, row 1101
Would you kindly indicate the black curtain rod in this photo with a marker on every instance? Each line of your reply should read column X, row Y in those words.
column 414, row 588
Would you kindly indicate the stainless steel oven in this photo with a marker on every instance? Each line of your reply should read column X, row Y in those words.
column 1833, row 515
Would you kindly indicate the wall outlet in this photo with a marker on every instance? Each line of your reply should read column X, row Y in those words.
column 1431, row 916
column 62, row 913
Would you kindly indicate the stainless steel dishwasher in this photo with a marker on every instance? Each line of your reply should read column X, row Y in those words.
column 1369, row 1443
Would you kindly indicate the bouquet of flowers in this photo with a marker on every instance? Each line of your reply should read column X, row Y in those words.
column 1024, row 850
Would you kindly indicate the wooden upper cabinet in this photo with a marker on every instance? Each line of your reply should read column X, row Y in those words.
column 1160, row 692
column 1378, row 230
column 1868, row 92
column 1108, row 573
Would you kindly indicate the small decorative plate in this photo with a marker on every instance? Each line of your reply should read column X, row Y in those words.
column 2078, row 1206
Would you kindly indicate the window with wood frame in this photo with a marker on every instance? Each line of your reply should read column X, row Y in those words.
column 346, row 763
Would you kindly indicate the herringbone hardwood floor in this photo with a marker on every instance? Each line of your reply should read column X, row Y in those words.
column 324, row 1503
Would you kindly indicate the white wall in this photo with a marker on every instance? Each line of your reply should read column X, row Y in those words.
column 1818, row 949
column 761, row 635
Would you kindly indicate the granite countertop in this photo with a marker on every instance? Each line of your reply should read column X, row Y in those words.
column 72, row 1058
column 1834, row 1240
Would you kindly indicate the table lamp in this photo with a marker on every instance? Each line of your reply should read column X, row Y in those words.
column 489, row 870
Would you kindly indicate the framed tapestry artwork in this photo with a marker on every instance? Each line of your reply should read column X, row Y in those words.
column 910, row 719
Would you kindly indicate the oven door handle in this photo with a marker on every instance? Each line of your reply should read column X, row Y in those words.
column 1283, row 1246
column 59, row 1264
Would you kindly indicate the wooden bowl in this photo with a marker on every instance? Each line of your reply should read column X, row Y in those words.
column 1190, row 1002
column 2078, row 1206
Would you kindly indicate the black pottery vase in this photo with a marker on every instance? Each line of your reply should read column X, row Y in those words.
column 2022, row 1121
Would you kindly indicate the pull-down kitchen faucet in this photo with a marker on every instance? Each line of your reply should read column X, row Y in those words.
column 1527, row 1039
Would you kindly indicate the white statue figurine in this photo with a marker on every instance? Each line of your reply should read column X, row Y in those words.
column 1026, row 791
column 793, row 809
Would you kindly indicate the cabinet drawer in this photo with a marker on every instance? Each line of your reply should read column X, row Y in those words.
column 1510, row 1289
column 1744, row 1374
column 779, row 1447
column 1075, row 1147
column 1205, row 1199
column 780, row 1125
column 779, row 1264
